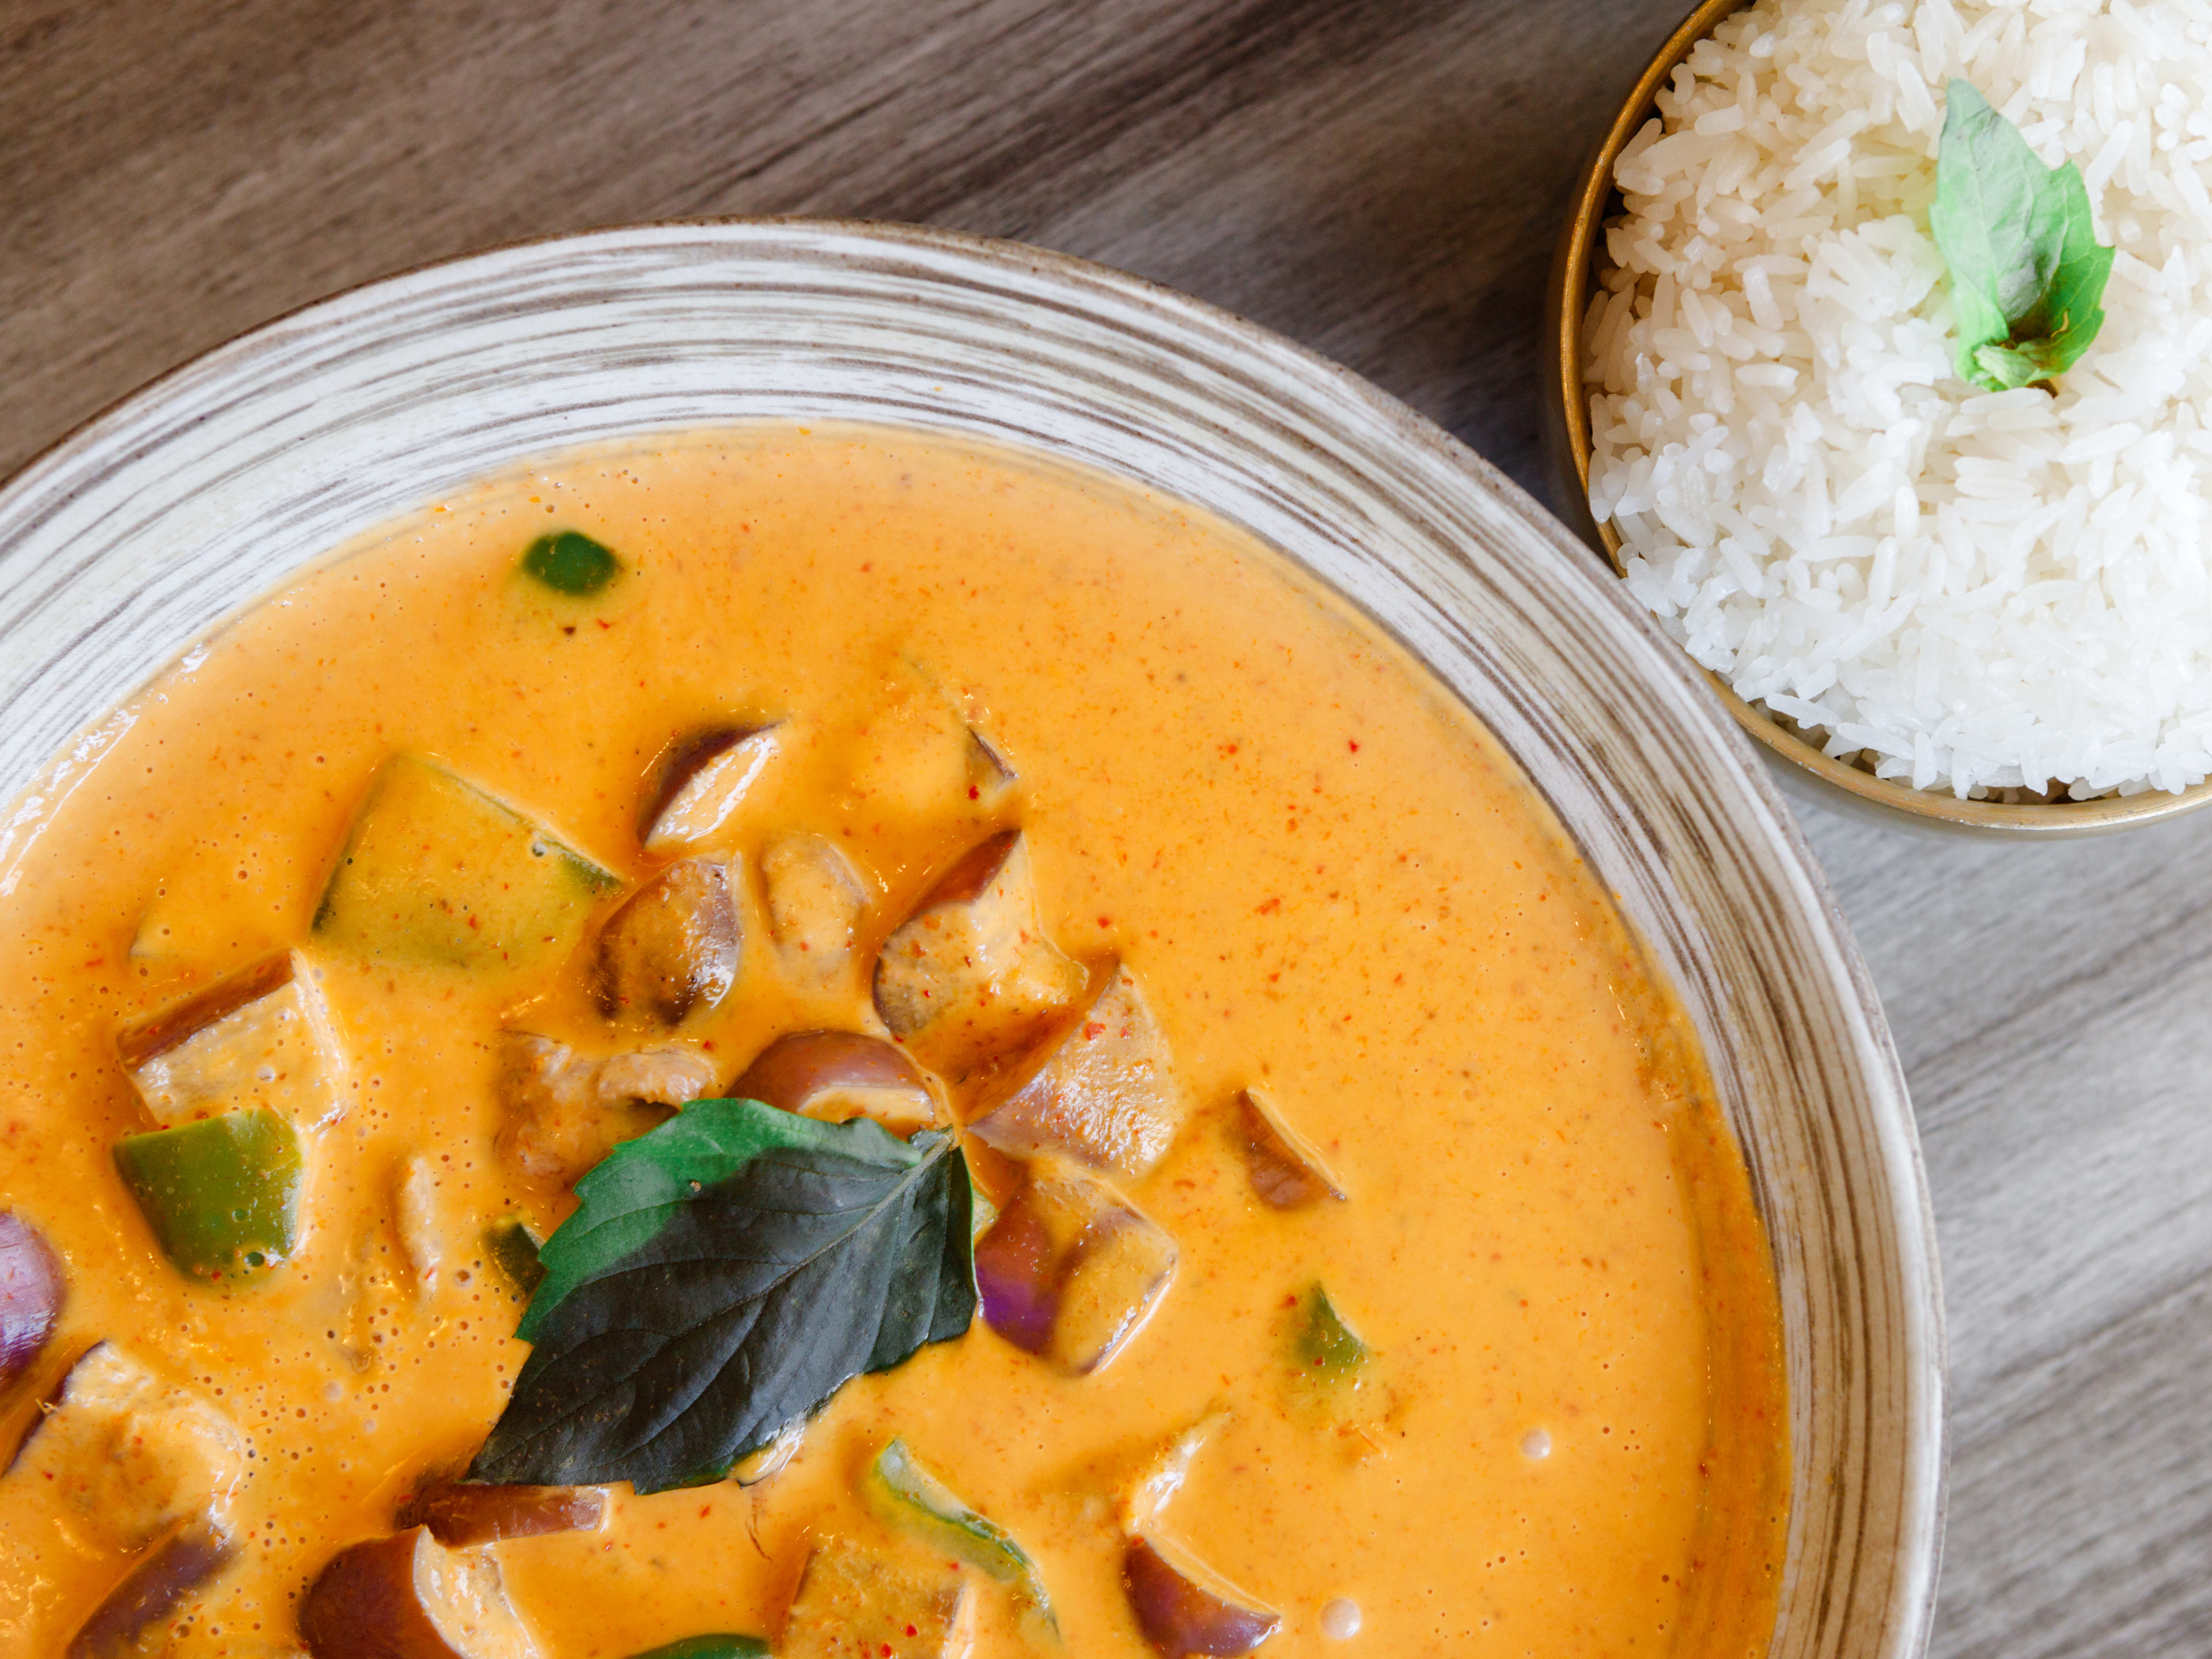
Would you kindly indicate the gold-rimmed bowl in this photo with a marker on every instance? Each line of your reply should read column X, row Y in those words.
column 1801, row 766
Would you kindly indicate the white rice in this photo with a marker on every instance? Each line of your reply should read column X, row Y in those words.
column 1983, row 592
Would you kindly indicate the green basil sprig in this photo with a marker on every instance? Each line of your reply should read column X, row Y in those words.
column 724, row 1277
column 2026, row 269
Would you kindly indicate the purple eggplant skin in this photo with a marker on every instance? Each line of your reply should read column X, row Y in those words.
column 1015, row 1275
column 157, row 1588
column 31, row 1292
column 1179, row 1618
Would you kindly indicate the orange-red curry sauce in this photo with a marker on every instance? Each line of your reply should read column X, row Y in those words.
column 1332, row 884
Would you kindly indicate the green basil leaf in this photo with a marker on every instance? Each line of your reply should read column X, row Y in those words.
column 725, row 1276
column 2025, row 364
column 2026, row 271
column 638, row 1188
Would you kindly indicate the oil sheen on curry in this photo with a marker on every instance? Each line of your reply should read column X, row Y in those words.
column 817, row 1042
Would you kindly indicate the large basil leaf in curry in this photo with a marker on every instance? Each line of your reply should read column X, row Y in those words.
column 725, row 1276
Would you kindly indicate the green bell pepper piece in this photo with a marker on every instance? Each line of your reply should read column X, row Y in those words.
column 1328, row 1350
column 569, row 561
column 905, row 1492
column 221, row 1195
column 513, row 1249
column 711, row 1647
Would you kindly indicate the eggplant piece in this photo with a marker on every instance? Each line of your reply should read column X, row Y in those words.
column 132, row 1456
column 175, row 933
column 1070, row 1271
column 1120, row 1270
column 920, row 755
column 32, row 1291
column 704, row 780
column 854, row 1603
column 460, row 1513
column 1164, row 1477
column 836, row 1076
column 990, row 775
column 564, row 1112
column 222, row 1194
column 260, row 1039
column 155, row 1589
column 421, row 1237
column 409, row 1597
column 1104, row 1092
column 763, row 1463
column 652, row 1076
column 711, row 1647
column 908, row 1495
column 1185, row 1607
column 1017, row 1274
column 970, row 979
column 672, row 951
column 914, row 759
column 437, row 872
column 815, row 898
column 210, row 910
column 1285, row 1171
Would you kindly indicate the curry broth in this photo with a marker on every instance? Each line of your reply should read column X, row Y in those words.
column 1330, row 880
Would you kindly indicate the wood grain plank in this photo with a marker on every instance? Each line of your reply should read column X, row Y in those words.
column 2048, row 1001
column 2082, row 1499
column 1382, row 182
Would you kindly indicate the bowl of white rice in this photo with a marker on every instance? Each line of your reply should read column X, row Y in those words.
column 1983, row 609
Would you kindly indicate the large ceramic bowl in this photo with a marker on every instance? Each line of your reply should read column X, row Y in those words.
column 132, row 540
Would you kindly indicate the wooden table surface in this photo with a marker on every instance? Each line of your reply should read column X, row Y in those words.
column 1381, row 181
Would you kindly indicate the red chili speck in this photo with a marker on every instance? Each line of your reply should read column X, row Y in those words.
column 1352, row 744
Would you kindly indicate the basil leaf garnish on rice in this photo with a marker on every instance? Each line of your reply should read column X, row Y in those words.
column 724, row 1277
column 2027, row 270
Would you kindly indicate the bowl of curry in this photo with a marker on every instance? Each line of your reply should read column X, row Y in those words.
column 817, row 939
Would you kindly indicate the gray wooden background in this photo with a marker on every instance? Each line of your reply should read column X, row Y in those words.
column 1380, row 180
